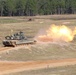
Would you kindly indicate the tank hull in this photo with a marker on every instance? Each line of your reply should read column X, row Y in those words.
column 14, row 43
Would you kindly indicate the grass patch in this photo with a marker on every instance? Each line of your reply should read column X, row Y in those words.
column 8, row 20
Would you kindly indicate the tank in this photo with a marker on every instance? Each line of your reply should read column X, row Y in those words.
column 17, row 39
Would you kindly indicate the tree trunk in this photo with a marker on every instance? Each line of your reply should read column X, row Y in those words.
column 10, row 13
column 2, row 11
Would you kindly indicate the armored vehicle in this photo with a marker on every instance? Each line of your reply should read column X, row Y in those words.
column 17, row 39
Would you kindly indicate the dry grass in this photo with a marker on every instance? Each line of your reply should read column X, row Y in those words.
column 31, row 28
column 39, row 51
column 67, row 70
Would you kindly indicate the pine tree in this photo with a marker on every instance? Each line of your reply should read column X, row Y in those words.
column 10, row 7
column 20, row 7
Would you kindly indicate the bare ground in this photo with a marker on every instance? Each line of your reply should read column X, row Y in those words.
column 11, row 67
column 31, row 29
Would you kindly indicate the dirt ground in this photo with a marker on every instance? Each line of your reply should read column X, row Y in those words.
column 31, row 28
column 11, row 67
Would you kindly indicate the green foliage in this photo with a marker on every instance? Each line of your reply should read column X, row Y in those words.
column 20, row 7
column 30, row 8
column 10, row 6
column 1, row 7
column 34, row 7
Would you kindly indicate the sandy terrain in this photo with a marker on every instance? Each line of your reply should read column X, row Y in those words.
column 5, row 49
column 11, row 67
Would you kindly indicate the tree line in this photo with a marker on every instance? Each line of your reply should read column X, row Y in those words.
column 36, row 7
